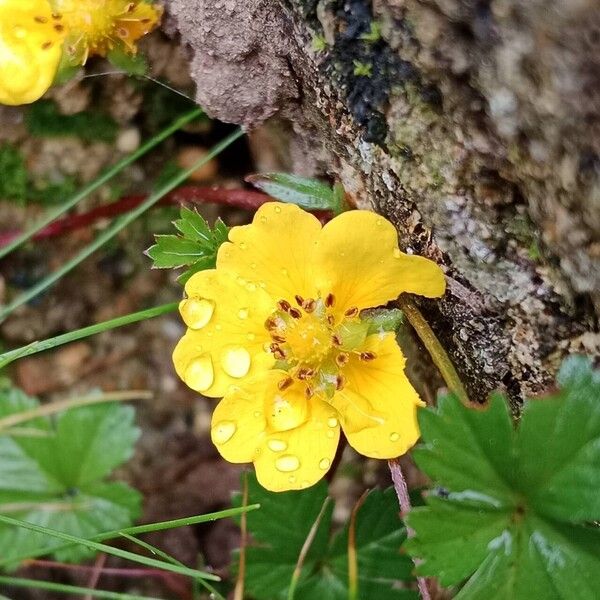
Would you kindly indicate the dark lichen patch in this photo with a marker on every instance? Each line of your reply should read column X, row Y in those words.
column 367, row 87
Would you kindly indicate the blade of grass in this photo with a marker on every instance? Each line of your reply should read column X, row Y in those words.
column 238, row 592
column 61, row 405
column 158, row 552
column 67, row 589
column 101, row 180
column 117, row 226
column 139, row 529
column 137, row 558
column 352, row 554
column 65, row 338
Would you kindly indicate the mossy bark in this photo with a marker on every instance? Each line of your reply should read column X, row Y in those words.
column 473, row 125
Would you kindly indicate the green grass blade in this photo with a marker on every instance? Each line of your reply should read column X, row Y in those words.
column 117, row 226
column 98, row 547
column 101, row 180
column 139, row 529
column 65, row 338
column 67, row 589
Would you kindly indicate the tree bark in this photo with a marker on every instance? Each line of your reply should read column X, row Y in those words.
column 473, row 125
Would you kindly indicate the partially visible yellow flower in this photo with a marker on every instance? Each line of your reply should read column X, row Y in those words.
column 30, row 49
column 276, row 329
column 33, row 34
column 98, row 26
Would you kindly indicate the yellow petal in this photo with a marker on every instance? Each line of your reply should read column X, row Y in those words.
column 378, row 405
column 30, row 50
column 274, row 251
column 243, row 430
column 226, row 336
column 358, row 260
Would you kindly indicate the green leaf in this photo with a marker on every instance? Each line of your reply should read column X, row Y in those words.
column 133, row 64
column 43, row 119
column 511, row 516
column 196, row 247
column 53, row 477
column 381, row 320
column 14, row 178
column 279, row 530
column 305, row 192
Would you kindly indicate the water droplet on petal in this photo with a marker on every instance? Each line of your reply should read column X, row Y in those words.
column 324, row 464
column 196, row 312
column 243, row 313
column 332, row 422
column 263, row 220
column 251, row 337
column 218, row 327
column 330, row 434
column 277, row 445
column 243, row 245
column 236, row 362
column 199, row 374
column 287, row 463
column 292, row 479
column 257, row 413
column 379, row 222
column 251, row 287
column 223, row 431
column 278, row 209
column 394, row 437
column 285, row 272
column 253, row 265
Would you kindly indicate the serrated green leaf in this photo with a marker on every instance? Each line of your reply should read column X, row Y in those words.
column 512, row 518
column 305, row 192
column 54, row 479
column 195, row 249
column 280, row 527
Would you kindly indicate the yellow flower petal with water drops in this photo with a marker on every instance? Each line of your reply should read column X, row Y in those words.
column 30, row 49
column 358, row 260
column 246, row 427
column 275, row 250
column 378, row 405
column 226, row 336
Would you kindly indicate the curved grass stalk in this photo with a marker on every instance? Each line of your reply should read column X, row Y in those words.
column 78, row 334
column 116, row 227
column 51, row 215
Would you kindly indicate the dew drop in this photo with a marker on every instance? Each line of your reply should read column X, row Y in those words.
column 277, row 445
column 257, row 413
column 292, row 479
column 251, row 287
column 199, row 374
column 287, row 463
column 324, row 464
column 379, row 222
column 243, row 245
column 223, row 431
column 196, row 312
column 263, row 220
column 285, row 272
column 243, row 313
column 218, row 327
column 394, row 437
column 253, row 265
column 251, row 337
column 236, row 361
column 332, row 422
column 330, row 434
column 278, row 209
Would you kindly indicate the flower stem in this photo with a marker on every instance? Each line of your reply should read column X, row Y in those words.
column 51, row 215
column 401, row 490
column 117, row 226
column 352, row 554
column 434, row 347
column 78, row 334
column 238, row 593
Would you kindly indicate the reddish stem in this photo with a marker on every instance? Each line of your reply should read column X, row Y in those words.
column 187, row 194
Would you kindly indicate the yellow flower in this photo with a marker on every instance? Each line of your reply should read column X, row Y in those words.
column 276, row 329
column 98, row 26
column 30, row 49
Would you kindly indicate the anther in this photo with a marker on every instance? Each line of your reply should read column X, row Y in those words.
column 329, row 300
column 284, row 305
column 342, row 359
column 46, row 45
column 295, row 313
column 336, row 340
column 277, row 338
column 305, row 374
column 299, row 299
column 274, row 347
column 308, row 392
column 284, row 384
column 279, row 354
column 270, row 323
column 58, row 27
column 351, row 312
column 309, row 305
column 340, row 382
column 40, row 19
column 367, row 355
column 56, row 16
column 331, row 319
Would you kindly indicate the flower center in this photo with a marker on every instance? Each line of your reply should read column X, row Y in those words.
column 312, row 346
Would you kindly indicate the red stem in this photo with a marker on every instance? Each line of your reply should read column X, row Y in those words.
column 187, row 194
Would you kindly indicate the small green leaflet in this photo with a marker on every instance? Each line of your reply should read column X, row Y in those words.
column 305, row 192
column 52, row 473
column 514, row 509
column 195, row 248
column 280, row 527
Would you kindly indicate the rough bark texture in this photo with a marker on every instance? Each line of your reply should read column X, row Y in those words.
column 474, row 125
